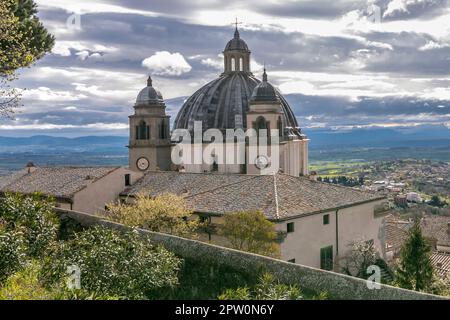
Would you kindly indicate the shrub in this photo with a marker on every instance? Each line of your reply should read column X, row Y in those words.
column 250, row 231
column 268, row 288
column 112, row 263
column 166, row 213
column 33, row 217
column 12, row 253
column 25, row 285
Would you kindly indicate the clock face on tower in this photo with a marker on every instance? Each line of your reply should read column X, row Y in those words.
column 142, row 164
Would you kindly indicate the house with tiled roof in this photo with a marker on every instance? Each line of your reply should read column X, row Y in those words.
column 316, row 222
column 85, row 189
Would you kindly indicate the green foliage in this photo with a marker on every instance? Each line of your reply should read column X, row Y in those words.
column 23, row 41
column 33, row 217
column 268, row 288
column 26, row 285
column 166, row 213
column 12, row 253
column 27, row 229
column 205, row 280
column 250, row 231
column 437, row 202
column 415, row 270
column 112, row 263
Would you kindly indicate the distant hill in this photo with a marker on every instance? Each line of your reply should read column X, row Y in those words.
column 422, row 142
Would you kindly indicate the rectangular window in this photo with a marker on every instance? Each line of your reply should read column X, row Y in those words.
column 326, row 258
column 326, row 219
column 290, row 227
column 291, row 261
column 127, row 180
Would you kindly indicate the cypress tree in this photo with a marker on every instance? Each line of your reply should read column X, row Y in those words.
column 415, row 270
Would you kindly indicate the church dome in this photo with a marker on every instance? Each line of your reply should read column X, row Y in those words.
column 224, row 102
column 149, row 95
column 264, row 92
column 236, row 43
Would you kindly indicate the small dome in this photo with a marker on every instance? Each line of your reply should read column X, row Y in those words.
column 236, row 43
column 264, row 91
column 149, row 95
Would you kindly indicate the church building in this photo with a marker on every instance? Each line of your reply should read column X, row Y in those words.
column 316, row 222
column 236, row 100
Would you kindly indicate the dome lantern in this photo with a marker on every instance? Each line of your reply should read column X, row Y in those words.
column 236, row 54
column 149, row 96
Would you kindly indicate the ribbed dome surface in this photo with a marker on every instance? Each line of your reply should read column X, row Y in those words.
column 236, row 43
column 149, row 95
column 223, row 104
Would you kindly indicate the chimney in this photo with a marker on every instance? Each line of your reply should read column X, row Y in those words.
column 313, row 175
column 30, row 167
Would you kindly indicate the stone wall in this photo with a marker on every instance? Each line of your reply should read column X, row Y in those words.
column 339, row 286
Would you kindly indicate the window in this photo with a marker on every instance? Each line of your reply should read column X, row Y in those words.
column 290, row 227
column 241, row 64
column 291, row 260
column 326, row 258
column 326, row 219
column 127, row 180
column 205, row 219
column 233, row 64
column 142, row 131
column 280, row 127
column 163, row 130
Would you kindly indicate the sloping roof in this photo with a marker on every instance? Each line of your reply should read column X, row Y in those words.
column 278, row 196
column 60, row 182
column 395, row 236
column 437, row 227
column 185, row 184
column 441, row 263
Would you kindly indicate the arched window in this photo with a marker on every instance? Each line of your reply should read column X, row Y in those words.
column 241, row 64
column 261, row 124
column 142, row 131
column 280, row 127
column 233, row 64
column 163, row 130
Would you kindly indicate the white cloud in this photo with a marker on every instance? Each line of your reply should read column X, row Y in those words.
column 50, row 126
column 433, row 45
column 213, row 63
column 165, row 63
column 47, row 94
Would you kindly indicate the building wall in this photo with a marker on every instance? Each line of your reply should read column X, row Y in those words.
column 95, row 196
column 310, row 234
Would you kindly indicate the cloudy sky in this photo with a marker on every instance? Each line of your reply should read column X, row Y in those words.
column 340, row 63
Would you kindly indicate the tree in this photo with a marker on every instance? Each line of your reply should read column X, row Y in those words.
column 415, row 270
column 362, row 255
column 113, row 263
column 437, row 202
column 164, row 213
column 23, row 41
column 250, row 231
column 267, row 288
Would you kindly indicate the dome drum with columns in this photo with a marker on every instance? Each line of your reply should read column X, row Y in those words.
column 235, row 100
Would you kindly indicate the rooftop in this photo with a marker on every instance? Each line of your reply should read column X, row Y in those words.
column 59, row 182
column 278, row 196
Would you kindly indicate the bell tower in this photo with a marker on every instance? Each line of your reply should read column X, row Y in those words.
column 149, row 144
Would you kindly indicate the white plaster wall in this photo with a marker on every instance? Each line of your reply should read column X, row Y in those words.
column 95, row 196
column 354, row 223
